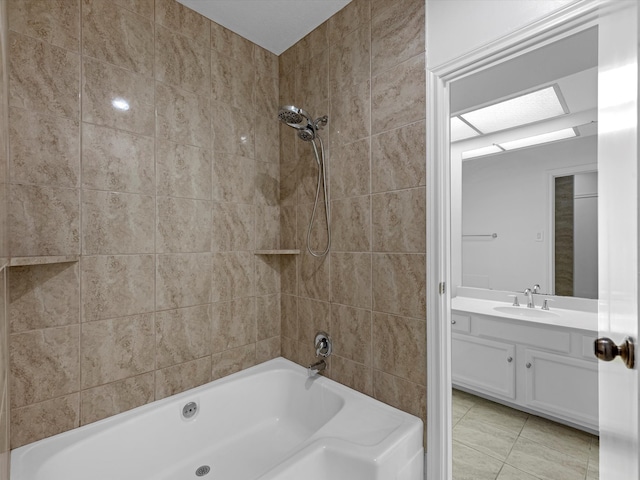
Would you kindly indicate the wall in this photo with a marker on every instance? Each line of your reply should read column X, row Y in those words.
column 454, row 30
column 164, row 202
column 509, row 194
column 4, row 254
column 365, row 68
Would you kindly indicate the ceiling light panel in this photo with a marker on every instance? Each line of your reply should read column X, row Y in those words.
column 532, row 107
column 538, row 139
column 460, row 130
column 479, row 152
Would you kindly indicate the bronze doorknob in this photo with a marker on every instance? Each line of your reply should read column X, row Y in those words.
column 607, row 350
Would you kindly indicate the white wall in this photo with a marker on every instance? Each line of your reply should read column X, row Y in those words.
column 476, row 23
column 508, row 194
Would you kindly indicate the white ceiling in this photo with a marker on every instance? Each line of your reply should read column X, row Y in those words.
column 273, row 24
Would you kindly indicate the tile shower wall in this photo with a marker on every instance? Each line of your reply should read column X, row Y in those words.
column 365, row 68
column 143, row 139
column 4, row 255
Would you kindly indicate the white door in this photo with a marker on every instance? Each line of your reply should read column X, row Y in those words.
column 618, row 235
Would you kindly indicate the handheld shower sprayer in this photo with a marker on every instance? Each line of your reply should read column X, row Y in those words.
column 308, row 131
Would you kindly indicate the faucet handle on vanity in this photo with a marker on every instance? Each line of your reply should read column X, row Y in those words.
column 536, row 288
column 515, row 303
column 545, row 304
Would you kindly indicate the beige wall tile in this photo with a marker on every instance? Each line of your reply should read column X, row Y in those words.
column 233, row 227
column 182, row 335
column 268, row 349
column 182, row 117
column 233, row 130
column 352, row 374
column 141, row 7
column 397, row 34
column 350, row 115
column 117, row 397
column 266, row 62
column 232, row 80
column 314, row 42
column 399, row 393
column 354, row 15
column 266, row 92
column 175, row 16
column 45, row 419
column 224, row 40
column 314, row 316
column 233, row 276
column 118, row 161
column 397, row 159
column 289, row 313
column 267, row 183
column 44, row 150
column 43, row 77
column 351, row 333
column 350, row 59
column 399, row 221
column 232, row 361
column 268, row 317
column 234, row 324
column 104, row 83
column 54, row 21
column 267, row 139
column 44, row 364
column 117, row 348
column 43, row 296
column 399, row 284
column 288, row 221
column 289, row 274
column 267, row 227
column 117, row 223
column 184, row 225
column 233, row 178
column 117, row 36
column 400, row 347
column 183, row 171
column 398, row 95
column 116, row 285
column 313, row 277
column 351, row 224
column 182, row 61
column 313, row 80
column 318, row 227
column 267, row 274
column 350, row 166
column 43, row 221
column 180, row 378
column 183, row 280
column 351, row 279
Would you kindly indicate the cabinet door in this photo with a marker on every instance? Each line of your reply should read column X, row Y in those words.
column 484, row 365
column 562, row 386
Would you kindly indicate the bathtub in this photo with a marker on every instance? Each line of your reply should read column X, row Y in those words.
column 269, row 422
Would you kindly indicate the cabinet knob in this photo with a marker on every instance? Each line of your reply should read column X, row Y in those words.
column 453, row 322
column 509, row 359
column 528, row 365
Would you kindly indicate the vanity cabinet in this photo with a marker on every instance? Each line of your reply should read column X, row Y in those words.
column 543, row 369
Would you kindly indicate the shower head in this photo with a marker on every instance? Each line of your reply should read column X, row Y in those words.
column 294, row 117
column 306, row 134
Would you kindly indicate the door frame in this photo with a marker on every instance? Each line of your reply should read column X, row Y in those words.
column 564, row 22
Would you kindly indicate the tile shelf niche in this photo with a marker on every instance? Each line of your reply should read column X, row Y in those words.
column 277, row 252
column 42, row 260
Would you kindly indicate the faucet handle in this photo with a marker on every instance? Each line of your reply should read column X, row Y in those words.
column 516, row 303
column 536, row 288
column 545, row 304
column 322, row 344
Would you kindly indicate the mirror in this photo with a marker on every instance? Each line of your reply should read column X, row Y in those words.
column 510, row 234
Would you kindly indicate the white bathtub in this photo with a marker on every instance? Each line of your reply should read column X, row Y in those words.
column 267, row 422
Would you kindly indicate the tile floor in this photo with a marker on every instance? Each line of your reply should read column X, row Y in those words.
column 494, row 442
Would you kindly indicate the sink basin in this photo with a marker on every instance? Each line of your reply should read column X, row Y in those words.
column 525, row 312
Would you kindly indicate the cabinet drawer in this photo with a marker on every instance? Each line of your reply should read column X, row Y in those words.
column 484, row 365
column 460, row 323
column 529, row 333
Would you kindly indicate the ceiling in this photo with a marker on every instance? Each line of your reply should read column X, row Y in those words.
column 273, row 24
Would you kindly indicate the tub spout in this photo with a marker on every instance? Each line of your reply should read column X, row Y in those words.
column 316, row 367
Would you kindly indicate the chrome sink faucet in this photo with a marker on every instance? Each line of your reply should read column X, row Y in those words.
column 529, row 294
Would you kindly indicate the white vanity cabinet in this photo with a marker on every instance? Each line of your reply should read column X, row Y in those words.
column 548, row 370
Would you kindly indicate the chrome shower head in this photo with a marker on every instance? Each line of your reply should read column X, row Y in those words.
column 306, row 134
column 294, row 117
